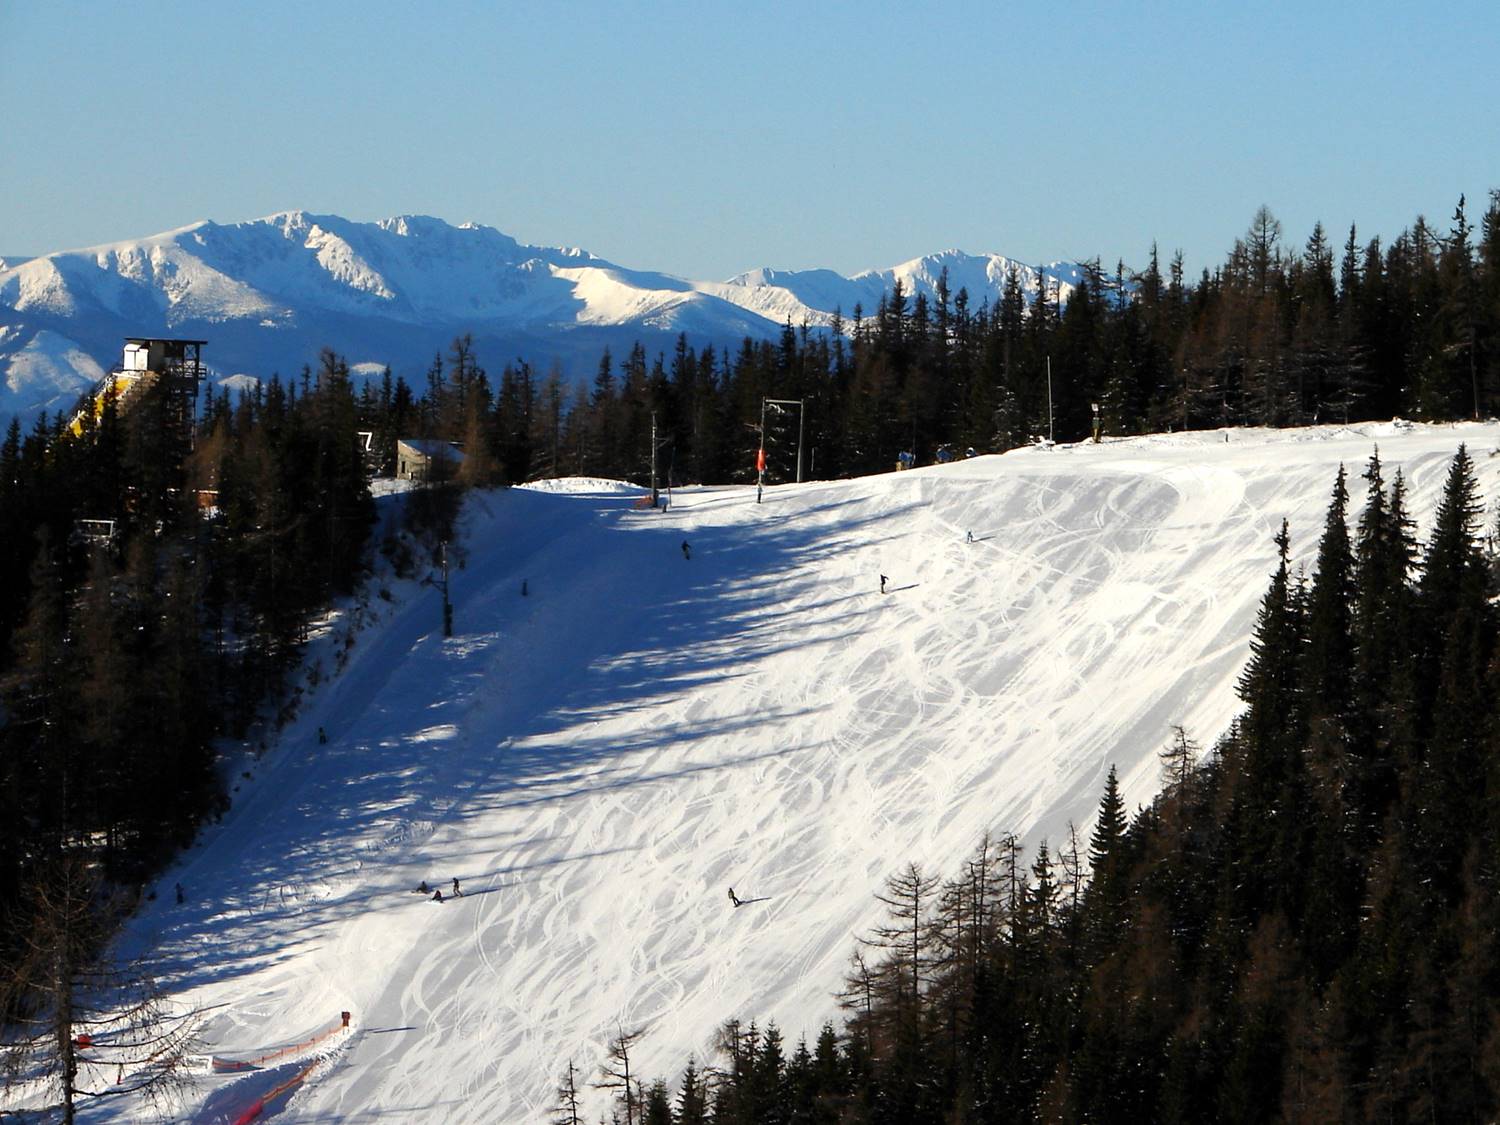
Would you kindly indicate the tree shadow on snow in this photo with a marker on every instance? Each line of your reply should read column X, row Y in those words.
column 520, row 708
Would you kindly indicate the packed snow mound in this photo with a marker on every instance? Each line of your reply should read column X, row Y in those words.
column 617, row 733
column 587, row 485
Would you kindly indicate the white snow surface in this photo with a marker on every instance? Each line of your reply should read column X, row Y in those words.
column 598, row 761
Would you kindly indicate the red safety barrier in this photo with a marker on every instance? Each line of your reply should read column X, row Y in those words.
column 286, row 1087
column 259, row 1105
column 226, row 1066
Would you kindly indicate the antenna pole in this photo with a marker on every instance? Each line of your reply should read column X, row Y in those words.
column 1050, row 435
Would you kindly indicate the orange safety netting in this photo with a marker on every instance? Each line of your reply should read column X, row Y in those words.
column 258, row 1107
column 222, row 1065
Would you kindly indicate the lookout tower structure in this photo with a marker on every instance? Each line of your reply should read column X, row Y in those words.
column 175, row 364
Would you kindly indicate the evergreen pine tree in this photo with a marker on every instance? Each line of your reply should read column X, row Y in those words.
column 692, row 1100
column 1453, row 665
column 1329, row 656
column 1108, row 890
column 657, row 1105
column 1269, row 788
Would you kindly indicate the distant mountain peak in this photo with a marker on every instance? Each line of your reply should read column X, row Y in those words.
column 416, row 226
column 268, row 293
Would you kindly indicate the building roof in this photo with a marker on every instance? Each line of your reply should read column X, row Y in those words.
column 432, row 447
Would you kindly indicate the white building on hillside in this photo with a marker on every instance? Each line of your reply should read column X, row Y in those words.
column 427, row 459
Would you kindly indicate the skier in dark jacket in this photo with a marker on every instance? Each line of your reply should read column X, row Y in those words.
column 733, row 898
column 687, row 552
column 437, row 896
column 456, row 892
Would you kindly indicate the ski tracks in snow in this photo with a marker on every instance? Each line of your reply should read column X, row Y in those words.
column 601, row 760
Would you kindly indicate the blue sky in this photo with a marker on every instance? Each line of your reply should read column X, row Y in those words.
column 709, row 138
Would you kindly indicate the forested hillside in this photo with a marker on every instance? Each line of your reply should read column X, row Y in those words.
column 135, row 639
column 1279, row 334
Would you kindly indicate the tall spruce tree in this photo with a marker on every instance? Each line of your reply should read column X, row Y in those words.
column 1457, row 643
column 1109, row 889
column 1269, row 783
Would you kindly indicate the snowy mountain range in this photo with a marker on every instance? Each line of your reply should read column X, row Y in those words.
column 269, row 293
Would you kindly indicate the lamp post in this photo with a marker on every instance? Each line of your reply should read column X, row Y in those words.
column 1051, row 435
column 654, row 493
column 447, row 605
column 655, row 447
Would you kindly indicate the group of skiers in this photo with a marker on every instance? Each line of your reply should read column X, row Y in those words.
column 437, row 895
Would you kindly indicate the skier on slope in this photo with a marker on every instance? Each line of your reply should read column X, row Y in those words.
column 687, row 552
column 883, row 581
column 456, row 892
column 437, row 895
column 733, row 898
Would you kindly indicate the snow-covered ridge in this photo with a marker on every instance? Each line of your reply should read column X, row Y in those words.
column 424, row 266
column 47, row 373
column 268, row 293
column 982, row 276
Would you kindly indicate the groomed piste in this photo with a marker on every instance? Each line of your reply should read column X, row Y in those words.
column 599, row 760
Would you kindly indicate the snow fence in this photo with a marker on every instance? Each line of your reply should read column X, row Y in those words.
column 222, row 1065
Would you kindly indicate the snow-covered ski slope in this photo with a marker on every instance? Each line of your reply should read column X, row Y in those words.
column 600, row 760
